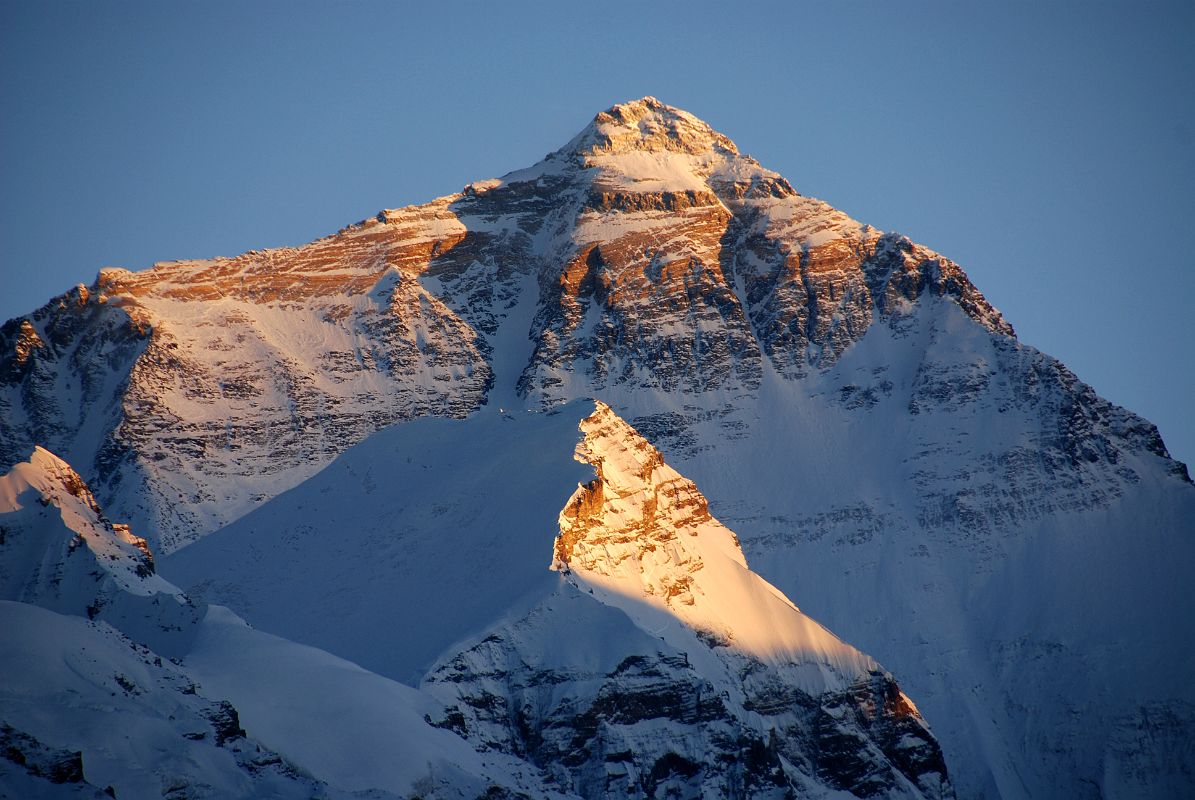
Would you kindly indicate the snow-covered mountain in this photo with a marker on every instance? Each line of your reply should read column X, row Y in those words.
column 94, row 692
column 961, row 506
column 613, row 688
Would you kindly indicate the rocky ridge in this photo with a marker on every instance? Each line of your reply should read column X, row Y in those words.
column 58, row 550
column 93, row 637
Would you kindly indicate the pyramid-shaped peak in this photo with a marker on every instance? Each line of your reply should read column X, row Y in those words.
column 647, row 125
column 642, row 530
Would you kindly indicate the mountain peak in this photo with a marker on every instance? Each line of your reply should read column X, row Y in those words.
column 51, row 476
column 647, row 125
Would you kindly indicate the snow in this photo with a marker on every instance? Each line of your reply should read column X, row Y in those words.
column 346, row 564
column 550, row 166
column 140, row 721
column 1070, row 608
column 648, row 172
column 348, row 727
column 512, row 348
column 46, row 480
column 809, row 222
column 80, row 686
column 344, row 546
column 434, row 517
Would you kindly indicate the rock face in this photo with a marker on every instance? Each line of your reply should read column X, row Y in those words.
column 938, row 492
column 741, row 695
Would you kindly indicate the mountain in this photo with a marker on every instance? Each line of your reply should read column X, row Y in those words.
column 1011, row 545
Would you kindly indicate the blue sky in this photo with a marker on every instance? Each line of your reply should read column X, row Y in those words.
column 1047, row 147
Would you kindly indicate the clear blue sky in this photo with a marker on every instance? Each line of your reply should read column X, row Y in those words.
column 1047, row 147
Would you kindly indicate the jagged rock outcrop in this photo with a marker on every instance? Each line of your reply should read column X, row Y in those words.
column 24, row 753
column 708, row 683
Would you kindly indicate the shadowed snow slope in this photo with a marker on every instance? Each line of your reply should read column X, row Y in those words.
column 83, row 707
column 419, row 536
column 351, row 728
column 126, row 717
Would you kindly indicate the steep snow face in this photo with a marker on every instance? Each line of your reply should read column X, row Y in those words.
column 418, row 537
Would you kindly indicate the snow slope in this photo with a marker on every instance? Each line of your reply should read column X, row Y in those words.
column 301, row 723
column 348, row 727
column 135, row 721
column 112, row 677
column 421, row 535
column 636, row 699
